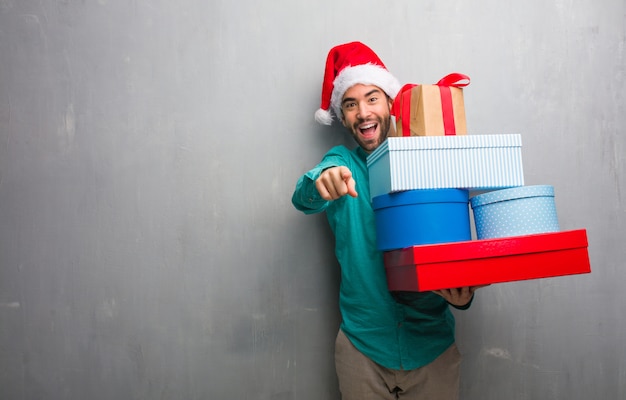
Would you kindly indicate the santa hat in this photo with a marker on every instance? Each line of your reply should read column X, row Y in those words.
column 347, row 65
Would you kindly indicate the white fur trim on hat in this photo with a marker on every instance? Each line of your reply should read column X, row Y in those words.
column 365, row 74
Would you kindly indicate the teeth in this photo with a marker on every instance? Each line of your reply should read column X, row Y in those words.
column 368, row 126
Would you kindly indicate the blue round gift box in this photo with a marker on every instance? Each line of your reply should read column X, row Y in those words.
column 425, row 216
column 518, row 211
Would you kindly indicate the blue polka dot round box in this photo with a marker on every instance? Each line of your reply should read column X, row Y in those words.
column 519, row 211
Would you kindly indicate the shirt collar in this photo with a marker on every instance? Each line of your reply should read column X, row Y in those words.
column 361, row 153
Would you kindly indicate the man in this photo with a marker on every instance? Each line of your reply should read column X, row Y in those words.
column 389, row 346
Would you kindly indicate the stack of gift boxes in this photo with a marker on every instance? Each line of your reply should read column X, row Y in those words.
column 421, row 182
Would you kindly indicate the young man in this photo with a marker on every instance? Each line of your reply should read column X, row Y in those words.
column 388, row 347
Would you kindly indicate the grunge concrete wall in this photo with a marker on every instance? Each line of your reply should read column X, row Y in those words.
column 149, row 149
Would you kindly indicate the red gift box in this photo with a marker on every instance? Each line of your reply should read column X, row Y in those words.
column 479, row 262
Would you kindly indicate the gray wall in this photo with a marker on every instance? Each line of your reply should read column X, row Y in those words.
column 149, row 149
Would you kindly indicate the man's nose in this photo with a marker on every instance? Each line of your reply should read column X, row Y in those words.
column 363, row 111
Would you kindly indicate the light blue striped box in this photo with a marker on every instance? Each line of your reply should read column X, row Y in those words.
column 473, row 162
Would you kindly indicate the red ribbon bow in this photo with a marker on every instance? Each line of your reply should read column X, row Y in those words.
column 444, row 84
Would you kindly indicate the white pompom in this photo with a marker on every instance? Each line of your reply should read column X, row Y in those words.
column 323, row 117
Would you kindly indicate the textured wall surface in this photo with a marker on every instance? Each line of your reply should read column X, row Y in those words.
column 149, row 149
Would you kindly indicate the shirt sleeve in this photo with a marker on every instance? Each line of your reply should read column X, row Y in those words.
column 306, row 198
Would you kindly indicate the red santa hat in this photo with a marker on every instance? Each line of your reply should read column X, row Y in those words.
column 347, row 65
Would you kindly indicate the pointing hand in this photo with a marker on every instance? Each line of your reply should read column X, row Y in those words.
column 336, row 182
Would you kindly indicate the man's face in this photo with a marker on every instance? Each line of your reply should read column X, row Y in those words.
column 366, row 115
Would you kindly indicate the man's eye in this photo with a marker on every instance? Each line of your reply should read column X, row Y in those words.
column 349, row 106
column 373, row 99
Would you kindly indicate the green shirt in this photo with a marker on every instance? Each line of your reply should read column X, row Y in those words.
column 395, row 334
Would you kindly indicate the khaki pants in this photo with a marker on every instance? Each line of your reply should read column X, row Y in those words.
column 362, row 379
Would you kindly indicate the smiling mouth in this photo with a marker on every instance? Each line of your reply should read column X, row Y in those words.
column 368, row 130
